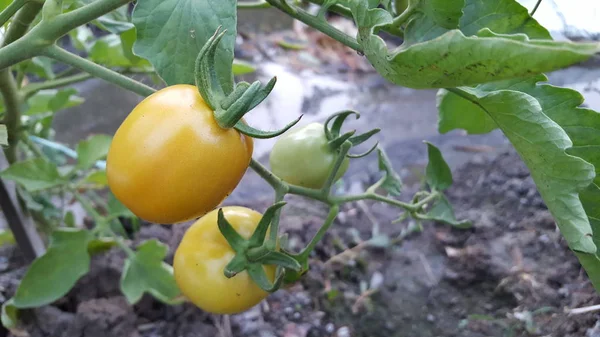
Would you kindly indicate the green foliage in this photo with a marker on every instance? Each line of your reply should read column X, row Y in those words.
column 52, row 275
column 33, row 174
column 170, row 33
column 438, row 174
column 6, row 238
column 9, row 315
column 442, row 212
column 448, row 60
column 92, row 149
column 146, row 272
column 500, row 16
column 391, row 181
column 52, row 100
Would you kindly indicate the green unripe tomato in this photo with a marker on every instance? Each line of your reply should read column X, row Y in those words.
column 303, row 157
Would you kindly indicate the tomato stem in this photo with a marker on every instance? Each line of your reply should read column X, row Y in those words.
column 76, row 61
column 316, row 23
column 333, row 213
column 343, row 151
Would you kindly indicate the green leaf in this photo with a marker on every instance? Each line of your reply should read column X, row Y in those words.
column 529, row 120
column 391, row 180
column 128, row 38
column 82, row 38
column 438, row 174
column 10, row 314
column 459, row 113
column 449, row 60
column 170, row 33
column 39, row 66
column 116, row 208
column 6, row 238
column 69, row 219
column 92, row 149
column 33, row 174
column 442, row 211
column 146, row 272
column 53, row 274
column 432, row 19
column 52, row 100
column 97, row 178
column 3, row 135
column 101, row 245
column 108, row 51
column 242, row 67
column 500, row 16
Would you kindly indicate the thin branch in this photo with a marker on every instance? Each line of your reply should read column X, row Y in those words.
column 535, row 8
column 106, row 74
column 317, row 24
column 9, row 11
column 12, row 115
column 31, row 89
column 8, row 86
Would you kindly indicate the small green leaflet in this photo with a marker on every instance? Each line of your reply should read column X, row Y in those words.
column 52, row 100
column 500, row 16
column 34, row 174
column 437, row 173
column 391, row 181
column 170, row 33
column 92, row 149
column 146, row 272
column 3, row 135
column 10, row 314
column 53, row 274
column 449, row 61
column 432, row 19
column 242, row 67
column 442, row 211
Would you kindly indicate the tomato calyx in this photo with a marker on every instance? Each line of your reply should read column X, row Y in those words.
column 231, row 104
column 336, row 139
column 251, row 254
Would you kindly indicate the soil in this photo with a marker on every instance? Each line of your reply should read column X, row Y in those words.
column 510, row 275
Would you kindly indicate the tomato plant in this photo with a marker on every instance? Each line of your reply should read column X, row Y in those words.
column 185, row 147
column 173, row 134
column 203, row 255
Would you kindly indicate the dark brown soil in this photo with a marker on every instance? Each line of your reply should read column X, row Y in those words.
column 510, row 275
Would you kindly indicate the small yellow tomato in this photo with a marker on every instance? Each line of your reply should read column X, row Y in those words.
column 169, row 161
column 201, row 258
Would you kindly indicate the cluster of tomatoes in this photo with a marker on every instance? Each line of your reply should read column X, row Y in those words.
column 171, row 162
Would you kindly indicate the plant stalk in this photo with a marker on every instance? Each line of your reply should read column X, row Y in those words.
column 92, row 68
column 318, row 24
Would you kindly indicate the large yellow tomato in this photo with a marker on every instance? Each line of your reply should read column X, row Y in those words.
column 171, row 162
column 201, row 258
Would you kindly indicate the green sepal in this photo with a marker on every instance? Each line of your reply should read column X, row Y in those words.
column 357, row 140
column 260, row 134
column 235, row 240
column 338, row 120
column 239, row 90
column 236, row 266
column 205, row 72
column 281, row 259
column 259, row 276
column 258, row 237
column 292, row 276
column 263, row 93
column 364, row 154
column 337, row 142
